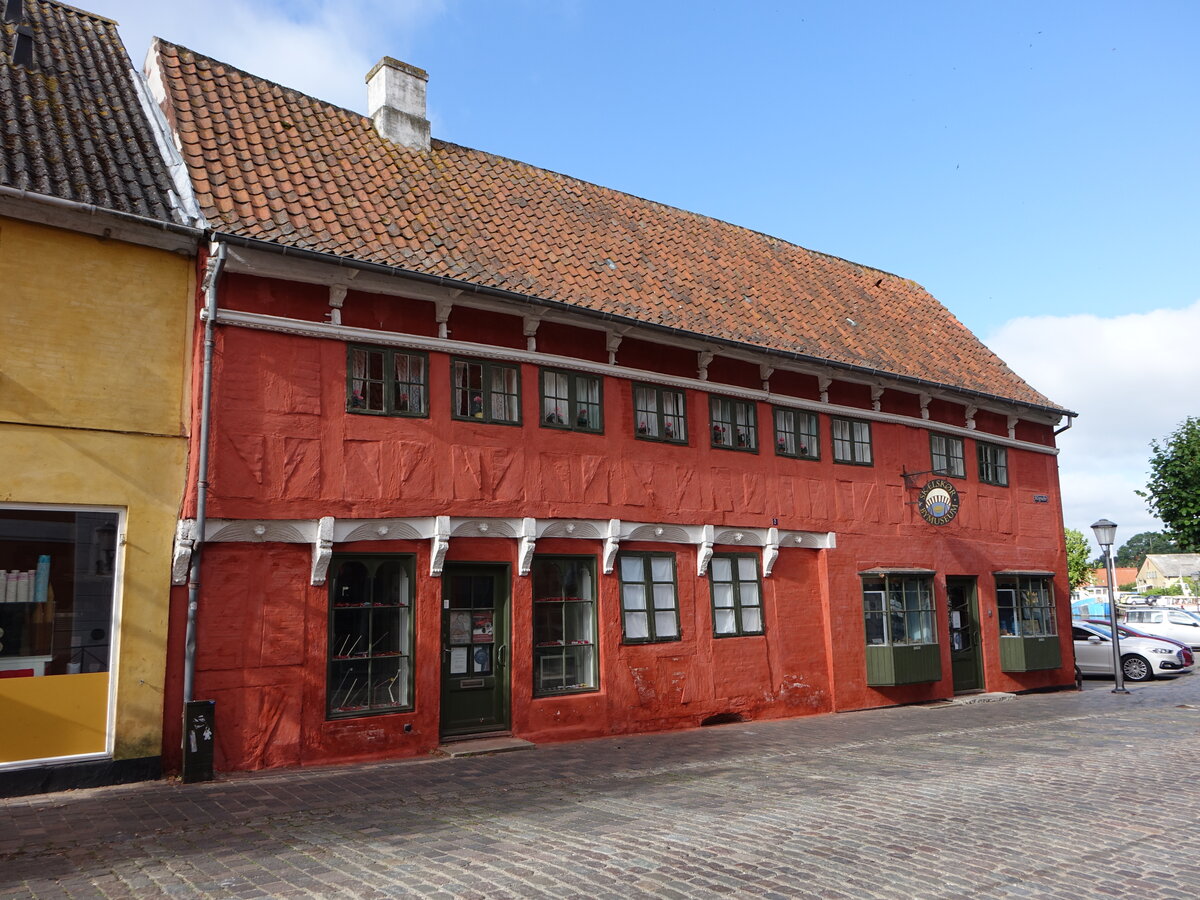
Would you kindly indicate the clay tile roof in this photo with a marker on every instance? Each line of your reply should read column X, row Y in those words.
column 472, row 216
column 72, row 124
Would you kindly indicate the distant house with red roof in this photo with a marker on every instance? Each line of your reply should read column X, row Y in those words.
column 494, row 450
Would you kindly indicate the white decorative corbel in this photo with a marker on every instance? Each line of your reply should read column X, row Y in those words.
column 612, row 344
column 1012, row 427
column 704, row 550
column 823, row 383
column 322, row 549
column 770, row 551
column 765, row 372
column 611, row 542
column 185, row 542
column 971, row 410
column 337, row 296
column 440, row 545
column 526, row 546
column 703, row 358
column 876, row 398
column 442, row 309
column 925, row 398
column 531, row 323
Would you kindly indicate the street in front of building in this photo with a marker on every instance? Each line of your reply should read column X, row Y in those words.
column 1065, row 794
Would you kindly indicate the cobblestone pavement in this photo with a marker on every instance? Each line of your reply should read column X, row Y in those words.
column 1014, row 799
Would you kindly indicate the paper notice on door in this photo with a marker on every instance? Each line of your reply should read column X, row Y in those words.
column 458, row 660
column 460, row 628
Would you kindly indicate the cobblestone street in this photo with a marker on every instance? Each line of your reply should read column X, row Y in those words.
column 998, row 799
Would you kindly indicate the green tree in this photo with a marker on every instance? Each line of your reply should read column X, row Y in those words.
column 1079, row 567
column 1133, row 551
column 1173, row 492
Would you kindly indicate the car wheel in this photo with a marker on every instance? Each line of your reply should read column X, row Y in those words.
column 1136, row 669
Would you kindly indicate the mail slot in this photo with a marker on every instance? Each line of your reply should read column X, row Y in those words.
column 471, row 683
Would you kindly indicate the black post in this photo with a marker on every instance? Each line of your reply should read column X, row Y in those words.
column 199, row 724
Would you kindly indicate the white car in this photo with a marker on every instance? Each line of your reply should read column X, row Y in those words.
column 1164, row 621
column 1141, row 658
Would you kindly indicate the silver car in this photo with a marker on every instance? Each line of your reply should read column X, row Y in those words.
column 1142, row 658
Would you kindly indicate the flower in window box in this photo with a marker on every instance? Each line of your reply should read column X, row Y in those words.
column 642, row 427
column 781, row 445
column 804, row 449
column 477, row 406
column 555, row 417
column 581, row 419
column 742, row 439
column 718, row 434
column 402, row 402
column 669, row 429
column 356, row 399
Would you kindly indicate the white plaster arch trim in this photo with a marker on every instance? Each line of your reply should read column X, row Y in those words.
column 350, row 334
column 325, row 533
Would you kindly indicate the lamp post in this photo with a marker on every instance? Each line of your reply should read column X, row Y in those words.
column 1106, row 535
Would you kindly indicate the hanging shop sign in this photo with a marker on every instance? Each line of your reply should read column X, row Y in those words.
column 938, row 502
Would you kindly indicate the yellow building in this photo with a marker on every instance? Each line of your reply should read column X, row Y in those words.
column 96, row 289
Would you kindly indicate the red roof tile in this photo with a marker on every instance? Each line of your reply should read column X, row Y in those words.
column 472, row 216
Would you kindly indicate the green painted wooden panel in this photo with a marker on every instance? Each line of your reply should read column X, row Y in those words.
column 1029, row 654
column 914, row 664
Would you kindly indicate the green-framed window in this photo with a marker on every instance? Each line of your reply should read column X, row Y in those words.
column 487, row 391
column 736, row 594
column 797, row 434
column 946, row 453
column 387, row 382
column 659, row 414
column 1025, row 606
column 851, row 441
column 564, row 625
column 734, row 424
column 370, row 635
column 571, row 401
column 649, row 598
column 993, row 463
column 899, row 610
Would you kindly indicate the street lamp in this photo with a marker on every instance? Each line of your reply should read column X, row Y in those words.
column 1106, row 535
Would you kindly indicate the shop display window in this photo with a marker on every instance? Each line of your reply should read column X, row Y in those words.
column 370, row 635
column 564, row 625
column 1025, row 606
column 57, row 580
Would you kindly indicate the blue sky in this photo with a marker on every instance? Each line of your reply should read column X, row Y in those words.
column 1034, row 165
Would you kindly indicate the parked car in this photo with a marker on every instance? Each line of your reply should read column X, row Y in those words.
column 1142, row 658
column 1165, row 622
column 1129, row 631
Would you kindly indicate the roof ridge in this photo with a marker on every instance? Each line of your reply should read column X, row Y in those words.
column 82, row 12
column 574, row 178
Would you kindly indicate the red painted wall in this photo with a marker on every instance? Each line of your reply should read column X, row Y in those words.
column 284, row 446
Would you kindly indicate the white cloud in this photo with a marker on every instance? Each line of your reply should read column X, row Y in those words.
column 320, row 47
column 1131, row 378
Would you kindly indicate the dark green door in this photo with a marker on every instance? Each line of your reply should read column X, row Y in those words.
column 475, row 681
column 965, row 660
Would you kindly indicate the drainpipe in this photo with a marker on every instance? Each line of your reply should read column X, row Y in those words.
column 1067, row 427
column 216, row 261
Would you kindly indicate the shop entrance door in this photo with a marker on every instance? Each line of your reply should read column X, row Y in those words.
column 475, row 679
column 965, row 658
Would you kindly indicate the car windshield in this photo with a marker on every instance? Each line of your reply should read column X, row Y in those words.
column 1101, row 629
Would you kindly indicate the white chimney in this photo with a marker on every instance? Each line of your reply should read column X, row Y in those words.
column 396, row 102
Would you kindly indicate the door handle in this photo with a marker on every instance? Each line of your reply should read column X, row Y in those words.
column 500, row 654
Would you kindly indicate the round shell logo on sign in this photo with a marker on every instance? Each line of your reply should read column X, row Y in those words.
column 939, row 502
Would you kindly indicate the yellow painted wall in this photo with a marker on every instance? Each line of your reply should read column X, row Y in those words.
column 95, row 339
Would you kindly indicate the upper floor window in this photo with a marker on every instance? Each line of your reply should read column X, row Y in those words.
column 1025, row 606
column 387, row 382
column 649, row 601
column 659, row 414
column 571, row 400
column 899, row 609
column 736, row 594
column 734, row 424
column 796, row 434
column 947, row 454
column 993, row 463
column 564, row 624
column 485, row 390
column 851, row 441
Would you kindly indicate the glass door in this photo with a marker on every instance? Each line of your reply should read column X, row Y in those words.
column 965, row 660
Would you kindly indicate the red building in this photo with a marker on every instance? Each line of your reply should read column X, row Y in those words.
column 493, row 450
